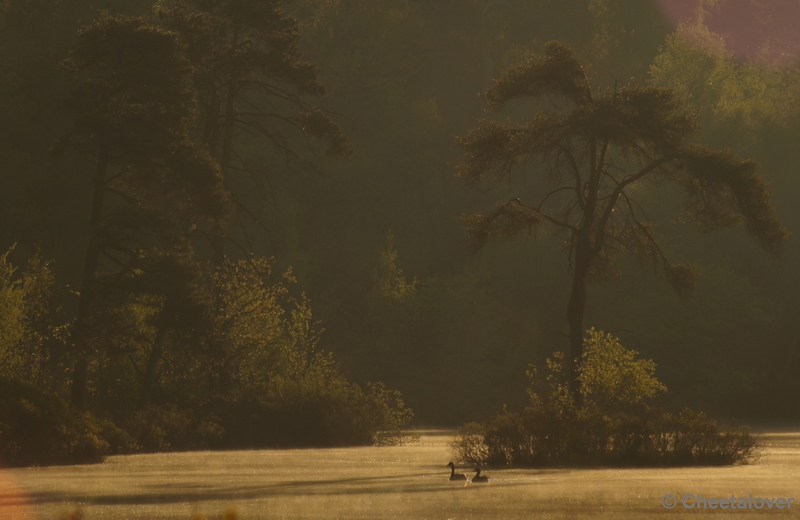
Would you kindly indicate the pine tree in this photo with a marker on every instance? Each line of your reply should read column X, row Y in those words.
column 592, row 158
column 134, row 106
column 252, row 80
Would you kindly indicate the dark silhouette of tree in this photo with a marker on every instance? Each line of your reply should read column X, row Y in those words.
column 134, row 109
column 182, row 306
column 252, row 80
column 590, row 157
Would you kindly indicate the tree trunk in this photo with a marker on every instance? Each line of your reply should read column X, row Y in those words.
column 151, row 372
column 78, row 393
column 225, row 379
column 218, row 242
column 583, row 258
column 575, row 312
column 80, row 372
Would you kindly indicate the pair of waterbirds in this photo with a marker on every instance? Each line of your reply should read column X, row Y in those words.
column 460, row 476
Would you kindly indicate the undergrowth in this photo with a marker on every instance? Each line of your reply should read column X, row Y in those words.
column 615, row 425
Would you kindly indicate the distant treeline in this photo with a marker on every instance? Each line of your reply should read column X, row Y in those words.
column 182, row 182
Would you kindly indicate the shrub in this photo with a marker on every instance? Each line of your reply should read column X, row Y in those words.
column 169, row 428
column 612, row 378
column 616, row 425
column 39, row 429
column 691, row 437
column 470, row 445
column 318, row 410
column 385, row 416
column 26, row 328
column 274, row 386
column 541, row 437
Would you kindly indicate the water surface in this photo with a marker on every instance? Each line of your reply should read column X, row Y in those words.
column 389, row 482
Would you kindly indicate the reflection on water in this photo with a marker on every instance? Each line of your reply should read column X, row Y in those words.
column 398, row 482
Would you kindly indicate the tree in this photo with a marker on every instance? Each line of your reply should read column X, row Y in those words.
column 169, row 285
column 134, row 109
column 247, row 324
column 25, row 300
column 611, row 376
column 251, row 82
column 390, row 283
column 735, row 98
column 591, row 159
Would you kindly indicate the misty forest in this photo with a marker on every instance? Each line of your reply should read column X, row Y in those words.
column 558, row 231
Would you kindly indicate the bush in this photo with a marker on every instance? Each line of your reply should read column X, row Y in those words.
column 276, row 387
column 616, row 425
column 38, row 429
column 307, row 413
column 169, row 428
column 692, row 438
column 538, row 438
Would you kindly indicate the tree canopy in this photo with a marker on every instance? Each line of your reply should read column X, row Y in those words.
column 216, row 118
column 590, row 157
column 134, row 106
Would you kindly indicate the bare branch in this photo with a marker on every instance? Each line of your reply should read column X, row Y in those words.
column 612, row 201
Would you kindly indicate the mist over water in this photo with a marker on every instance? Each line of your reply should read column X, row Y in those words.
column 401, row 482
column 228, row 227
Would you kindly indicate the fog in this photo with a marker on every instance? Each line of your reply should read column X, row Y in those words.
column 404, row 482
column 326, row 223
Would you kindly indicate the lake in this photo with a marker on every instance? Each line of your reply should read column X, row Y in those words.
column 390, row 482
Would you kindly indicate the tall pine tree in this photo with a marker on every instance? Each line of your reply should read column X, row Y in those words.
column 134, row 108
column 591, row 155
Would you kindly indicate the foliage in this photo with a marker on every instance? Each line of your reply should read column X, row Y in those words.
column 26, row 330
column 321, row 409
column 301, row 397
column 401, row 78
column 251, row 374
column 543, row 436
column 169, row 428
column 389, row 280
column 134, row 107
column 247, row 321
column 615, row 426
column 634, row 130
column 590, row 162
column 135, row 102
column 37, row 428
column 735, row 98
column 611, row 376
column 253, row 87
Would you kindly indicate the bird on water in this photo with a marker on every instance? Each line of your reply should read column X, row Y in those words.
column 478, row 477
column 454, row 475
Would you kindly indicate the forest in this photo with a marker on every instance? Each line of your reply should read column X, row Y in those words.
column 242, row 223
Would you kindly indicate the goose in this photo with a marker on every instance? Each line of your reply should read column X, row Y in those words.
column 454, row 475
column 478, row 477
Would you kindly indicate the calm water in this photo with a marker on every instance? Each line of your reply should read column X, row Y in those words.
column 403, row 482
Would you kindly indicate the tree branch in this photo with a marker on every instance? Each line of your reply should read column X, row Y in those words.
column 612, row 202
